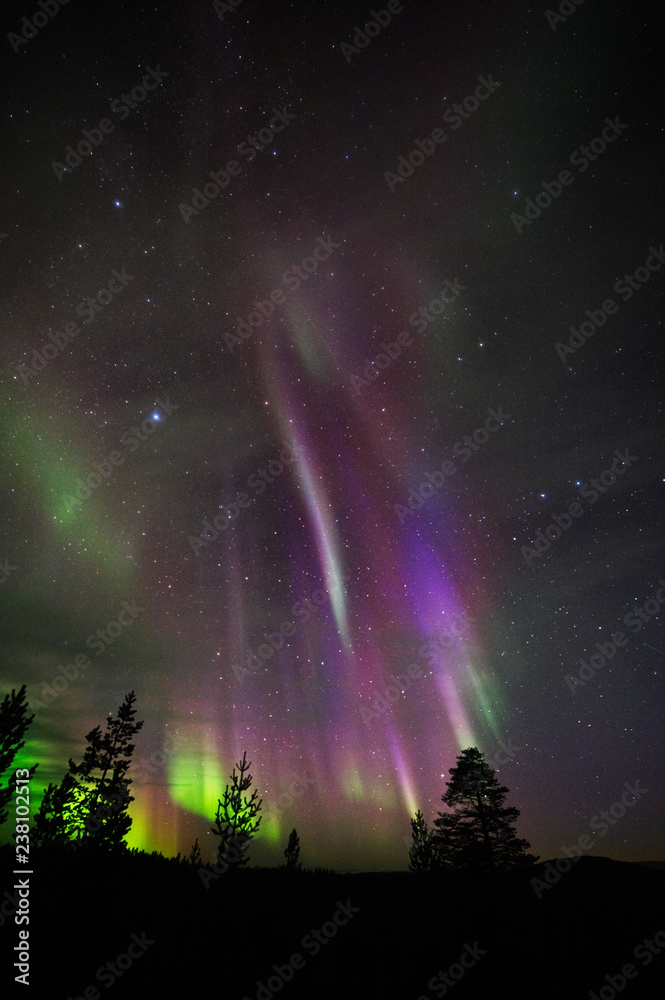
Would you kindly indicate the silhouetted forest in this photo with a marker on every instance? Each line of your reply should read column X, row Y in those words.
column 475, row 913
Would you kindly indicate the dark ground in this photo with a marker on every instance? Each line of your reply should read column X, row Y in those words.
column 219, row 941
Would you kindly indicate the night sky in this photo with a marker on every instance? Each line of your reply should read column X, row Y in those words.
column 276, row 448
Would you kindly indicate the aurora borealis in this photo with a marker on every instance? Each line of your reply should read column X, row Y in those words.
column 275, row 455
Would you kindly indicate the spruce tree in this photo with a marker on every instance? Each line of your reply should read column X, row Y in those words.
column 478, row 832
column 235, row 820
column 53, row 823
column 103, row 816
column 90, row 805
column 14, row 723
column 194, row 858
column 423, row 855
column 292, row 852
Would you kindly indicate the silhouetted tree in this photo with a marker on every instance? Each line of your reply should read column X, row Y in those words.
column 423, row 856
column 93, row 808
column 479, row 831
column 103, row 816
column 14, row 723
column 195, row 855
column 235, row 820
column 292, row 852
column 54, row 821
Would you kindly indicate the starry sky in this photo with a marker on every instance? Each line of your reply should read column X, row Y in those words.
column 311, row 352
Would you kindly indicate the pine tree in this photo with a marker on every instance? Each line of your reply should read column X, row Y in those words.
column 235, row 820
column 194, row 858
column 103, row 816
column 423, row 855
column 14, row 723
column 92, row 808
column 292, row 852
column 479, row 831
column 54, row 820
